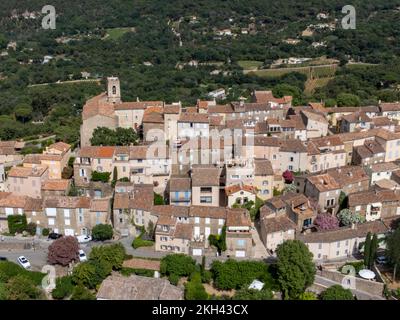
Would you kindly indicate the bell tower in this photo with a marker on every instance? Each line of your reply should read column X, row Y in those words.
column 113, row 90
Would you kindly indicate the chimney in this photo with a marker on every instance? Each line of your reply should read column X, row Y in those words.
column 353, row 226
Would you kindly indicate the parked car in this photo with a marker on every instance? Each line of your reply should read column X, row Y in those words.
column 82, row 256
column 84, row 239
column 381, row 260
column 55, row 236
column 3, row 259
column 24, row 262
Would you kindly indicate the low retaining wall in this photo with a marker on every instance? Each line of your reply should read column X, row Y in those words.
column 371, row 287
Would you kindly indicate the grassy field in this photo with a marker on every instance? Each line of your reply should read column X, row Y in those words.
column 249, row 64
column 312, row 84
column 116, row 33
column 317, row 71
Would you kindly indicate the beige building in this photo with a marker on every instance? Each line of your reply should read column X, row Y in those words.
column 239, row 241
column 206, row 190
column 73, row 216
column 275, row 227
column 340, row 243
column 263, row 178
column 90, row 159
column 325, row 153
column 375, row 204
column 27, row 181
column 55, row 157
column 240, row 194
column 132, row 210
column 325, row 190
column 10, row 204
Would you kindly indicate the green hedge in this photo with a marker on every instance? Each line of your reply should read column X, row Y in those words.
column 100, row 176
column 64, row 288
column 139, row 242
column 10, row 269
column 139, row 272
column 16, row 223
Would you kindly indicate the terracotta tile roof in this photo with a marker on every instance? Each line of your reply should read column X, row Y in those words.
column 263, row 167
column 328, row 141
column 7, row 144
column 179, row 183
column 216, row 120
column 56, row 185
column 66, row 202
column 4, row 195
column 172, row 109
column 13, row 201
column 183, row 231
column 208, row 212
column 202, row 104
column 313, row 115
column 100, row 205
column 389, row 106
column 371, row 196
column 356, row 117
column 277, row 224
column 60, row 146
column 194, row 117
column 344, row 233
column 317, row 106
column 206, row 176
column 143, row 197
column 383, row 121
column 135, row 105
column 292, row 145
column 267, row 96
column 33, row 205
column 369, row 149
column 7, row 151
column 121, row 201
column 166, row 220
column 118, row 287
column 238, row 218
column 24, row 172
column 38, row 158
column 32, row 159
column 348, row 175
column 384, row 166
column 153, row 117
column 98, row 106
column 368, row 109
column 96, row 152
column 230, row 190
column 170, row 210
column 147, row 152
column 387, row 135
column 324, row 182
column 266, row 141
column 220, row 108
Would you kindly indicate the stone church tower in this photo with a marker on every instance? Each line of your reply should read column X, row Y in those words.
column 113, row 90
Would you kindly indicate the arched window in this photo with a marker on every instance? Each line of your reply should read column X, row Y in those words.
column 114, row 90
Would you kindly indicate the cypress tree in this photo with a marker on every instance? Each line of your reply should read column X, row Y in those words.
column 115, row 174
column 367, row 249
column 373, row 249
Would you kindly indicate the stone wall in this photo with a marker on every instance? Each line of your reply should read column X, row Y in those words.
column 371, row 287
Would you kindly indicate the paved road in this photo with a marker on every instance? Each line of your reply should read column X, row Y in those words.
column 361, row 295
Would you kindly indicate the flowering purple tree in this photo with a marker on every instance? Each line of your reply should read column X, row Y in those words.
column 288, row 176
column 325, row 221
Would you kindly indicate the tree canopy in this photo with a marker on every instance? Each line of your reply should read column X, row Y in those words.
column 296, row 269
